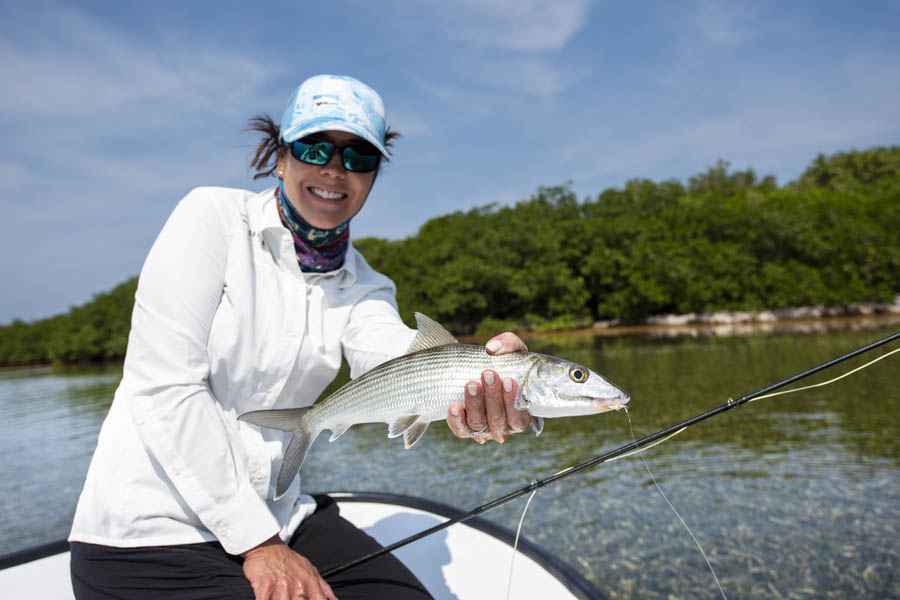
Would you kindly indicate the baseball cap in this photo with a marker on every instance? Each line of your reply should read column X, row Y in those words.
column 335, row 102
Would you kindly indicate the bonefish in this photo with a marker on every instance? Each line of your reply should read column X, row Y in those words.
column 411, row 391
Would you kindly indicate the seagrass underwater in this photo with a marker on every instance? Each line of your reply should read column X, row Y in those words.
column 755, row 484
column 411, row 391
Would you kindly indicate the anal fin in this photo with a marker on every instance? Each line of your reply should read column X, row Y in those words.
column 415, row 431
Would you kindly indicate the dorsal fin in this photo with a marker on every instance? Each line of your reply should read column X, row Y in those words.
column 430, row 335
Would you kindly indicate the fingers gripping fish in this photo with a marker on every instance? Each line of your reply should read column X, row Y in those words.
column 411, row 391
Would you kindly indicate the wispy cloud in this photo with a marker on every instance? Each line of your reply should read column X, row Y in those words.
column 525, row 25
column 728, row 24
column 410, row 123
column 110, row 116
column 89, row 70
column 527, row 76
column 91, row 99
column 773, row 133
column 14, row 174
column 505, row 53
column 103, row 133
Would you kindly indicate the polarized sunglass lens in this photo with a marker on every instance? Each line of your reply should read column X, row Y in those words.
column 314, row 153
column 359, row 160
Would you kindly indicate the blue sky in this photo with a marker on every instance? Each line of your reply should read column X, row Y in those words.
column 112, row 111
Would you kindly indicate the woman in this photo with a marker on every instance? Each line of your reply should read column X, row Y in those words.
column 249, row 301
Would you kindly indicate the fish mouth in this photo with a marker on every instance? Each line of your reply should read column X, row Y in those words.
column 603, row 405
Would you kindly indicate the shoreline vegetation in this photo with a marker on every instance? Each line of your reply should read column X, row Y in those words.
column 725, row 250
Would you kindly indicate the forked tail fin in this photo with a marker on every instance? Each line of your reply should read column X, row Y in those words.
column 288, row 419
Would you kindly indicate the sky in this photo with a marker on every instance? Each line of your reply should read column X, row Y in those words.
column 111, row 112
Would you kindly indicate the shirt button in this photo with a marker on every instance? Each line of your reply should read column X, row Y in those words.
column 176, row 471
column 293, row 332
column 223, row 532
column 270, row 387
column 259, row 475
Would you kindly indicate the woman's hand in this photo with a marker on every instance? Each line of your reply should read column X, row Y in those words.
column 489, row 406
column 278, row 573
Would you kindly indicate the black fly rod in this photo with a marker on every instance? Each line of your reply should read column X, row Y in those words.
column 535, row 485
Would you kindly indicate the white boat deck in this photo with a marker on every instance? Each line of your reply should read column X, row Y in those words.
column 461, row 562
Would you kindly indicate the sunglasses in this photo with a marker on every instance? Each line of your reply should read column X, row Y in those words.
column 358, row 157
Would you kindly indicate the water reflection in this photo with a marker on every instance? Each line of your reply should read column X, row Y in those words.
column 49, row 419
column 794, row 496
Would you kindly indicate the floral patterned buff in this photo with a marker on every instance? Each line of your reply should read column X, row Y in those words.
column 318, row 250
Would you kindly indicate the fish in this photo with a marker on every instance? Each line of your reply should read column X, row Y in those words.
column 411, row 391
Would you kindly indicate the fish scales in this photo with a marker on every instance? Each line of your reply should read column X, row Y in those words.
column 411, row 391
column 417, row 384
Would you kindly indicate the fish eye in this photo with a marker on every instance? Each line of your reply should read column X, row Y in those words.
column 578, row 375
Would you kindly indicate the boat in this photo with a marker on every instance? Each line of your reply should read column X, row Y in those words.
column 467, row 560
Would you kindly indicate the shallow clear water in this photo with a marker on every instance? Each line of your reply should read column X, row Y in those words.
column 796, row 496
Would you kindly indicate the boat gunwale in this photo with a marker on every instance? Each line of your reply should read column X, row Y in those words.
column 573, row 581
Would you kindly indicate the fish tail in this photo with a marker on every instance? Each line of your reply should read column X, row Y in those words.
column 290, row 420
column 296, row 452
column 284, row 419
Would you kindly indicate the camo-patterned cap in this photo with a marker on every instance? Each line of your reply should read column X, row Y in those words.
column 335, row 102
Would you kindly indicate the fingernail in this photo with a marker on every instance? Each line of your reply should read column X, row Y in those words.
column 494, row 345
column 488, row 378
column 473, row 389
column 454, row 410
column 507, row 385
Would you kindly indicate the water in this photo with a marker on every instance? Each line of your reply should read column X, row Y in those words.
column 793, row 497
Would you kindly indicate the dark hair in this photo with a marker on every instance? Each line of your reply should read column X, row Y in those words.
column 270, row 149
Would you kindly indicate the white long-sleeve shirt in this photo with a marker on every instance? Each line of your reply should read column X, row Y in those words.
column 224, row 322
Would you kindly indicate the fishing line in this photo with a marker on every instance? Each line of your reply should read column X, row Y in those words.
column 648, row 446
column 516, row 543
column 799, row 389
column 631, row 447
column 815, row 385
column 773, row 394
column 640, row 453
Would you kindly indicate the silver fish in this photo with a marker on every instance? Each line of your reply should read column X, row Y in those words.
column 411, row 391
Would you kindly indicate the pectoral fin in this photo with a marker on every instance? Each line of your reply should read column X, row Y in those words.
column 537, row 424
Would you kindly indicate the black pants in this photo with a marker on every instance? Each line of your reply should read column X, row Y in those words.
column 201, row 571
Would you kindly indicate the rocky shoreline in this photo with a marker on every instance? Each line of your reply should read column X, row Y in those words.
column 856, row 309
column 800, row 319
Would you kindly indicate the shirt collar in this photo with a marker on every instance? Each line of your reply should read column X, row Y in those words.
column 264, row 218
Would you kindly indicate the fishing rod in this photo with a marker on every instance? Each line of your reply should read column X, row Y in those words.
column 632, row 446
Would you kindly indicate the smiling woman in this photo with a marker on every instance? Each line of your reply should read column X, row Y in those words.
column 249, row 301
